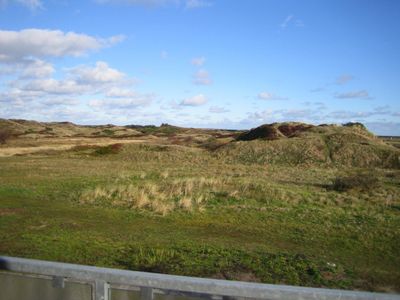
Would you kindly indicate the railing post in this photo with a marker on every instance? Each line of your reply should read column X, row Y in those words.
column 58, row 282
column 146, row 293
column 101, row 290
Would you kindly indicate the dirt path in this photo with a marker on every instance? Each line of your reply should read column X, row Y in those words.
column 10, row 151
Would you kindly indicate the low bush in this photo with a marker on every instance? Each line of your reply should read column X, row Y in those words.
column 110, row 149
column 361, row 181
column 5, row 135
column 108, row 132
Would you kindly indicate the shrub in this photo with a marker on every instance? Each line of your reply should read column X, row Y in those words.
column 355, row 124
column 111, row 149
column 108, row 132
column 5, row 135
column 361, row 181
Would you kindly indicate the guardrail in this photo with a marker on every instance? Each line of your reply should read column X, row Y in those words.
column 113, row 284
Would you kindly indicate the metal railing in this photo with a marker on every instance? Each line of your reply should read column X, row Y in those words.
column 148, row 285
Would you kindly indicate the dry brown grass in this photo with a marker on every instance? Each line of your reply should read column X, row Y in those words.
column 187, row 194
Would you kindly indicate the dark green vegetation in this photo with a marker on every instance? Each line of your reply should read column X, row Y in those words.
column 319, row 207
column 5, row 135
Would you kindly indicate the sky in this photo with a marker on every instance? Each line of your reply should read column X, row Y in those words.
column 202, row 63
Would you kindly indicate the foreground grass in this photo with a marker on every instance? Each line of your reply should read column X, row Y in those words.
column 272, row 224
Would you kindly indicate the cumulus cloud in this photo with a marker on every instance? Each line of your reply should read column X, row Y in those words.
column 202, row 77
column 362, row 94
column 101, row 73
column 30, row 68
column 343, row 79
column 54, row 86
column 39, row 43
column 198, row 61
column 37, row 69
column 108, row 84
column 194, row 101
column 60, row 101
column 118, row 92
column 78, row 81
column 260, row 116
column 218, row 110
column 269, row 96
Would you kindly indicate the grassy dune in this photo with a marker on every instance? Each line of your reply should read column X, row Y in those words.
column 192, row 202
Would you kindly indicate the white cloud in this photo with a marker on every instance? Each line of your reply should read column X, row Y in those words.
column 262, row 116
column 117, row 92
column 122, row 103
column 53, row 86
column 38, row 43
column 101, row 73
column 349, row 115
column 343, row 79
column 198, row 61
column 122, row 98
column 202, row 77
column 195, row 100
column 362, row 94
column 100, row 80
column 37, row 69
column 218, row 110
column 77, row 81
column 60, row 101
column 285, row 115
column 197, row 4
column 269, row 96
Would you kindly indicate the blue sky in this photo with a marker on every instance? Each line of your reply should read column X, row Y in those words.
column 201, row 63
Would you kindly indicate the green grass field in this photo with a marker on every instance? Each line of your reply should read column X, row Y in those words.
column 191, row 211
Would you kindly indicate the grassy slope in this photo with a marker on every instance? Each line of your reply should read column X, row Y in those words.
column 285, row 226
column 331, row 145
